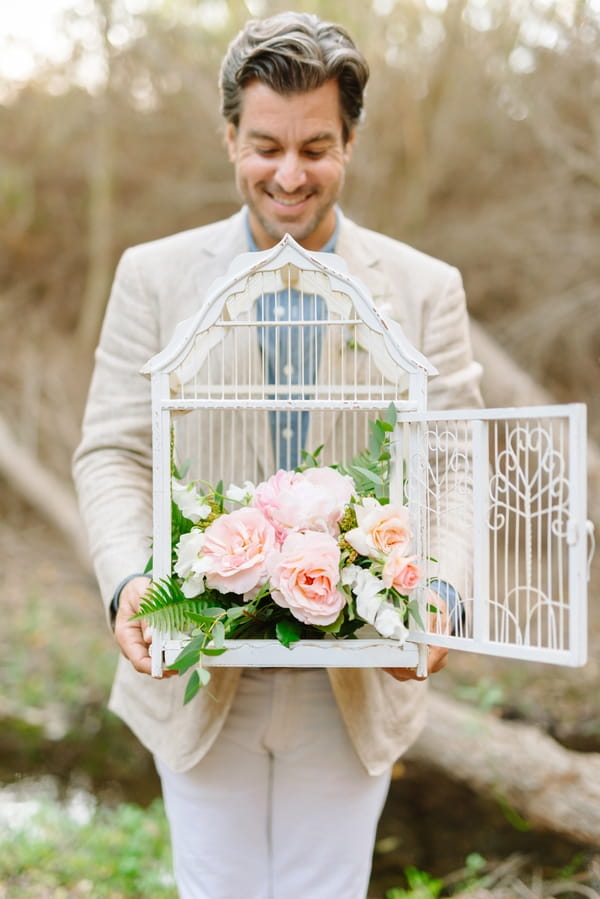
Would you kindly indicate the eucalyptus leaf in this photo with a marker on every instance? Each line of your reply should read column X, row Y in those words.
column 391, row 415
column 204, row 676
column 235, row 612
column 334, row 627
column 371, row 476
column 189, row 655
column 192, row 687
column 415, row 613
column 218, row 634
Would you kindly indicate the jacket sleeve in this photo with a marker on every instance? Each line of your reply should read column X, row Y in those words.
column 112, row 466
column 446, row 342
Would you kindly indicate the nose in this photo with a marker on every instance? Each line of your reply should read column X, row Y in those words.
column 290, row 173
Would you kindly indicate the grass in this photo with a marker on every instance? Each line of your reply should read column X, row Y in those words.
column 54, row 850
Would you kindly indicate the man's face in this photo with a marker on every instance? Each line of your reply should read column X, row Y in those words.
column 290, row 159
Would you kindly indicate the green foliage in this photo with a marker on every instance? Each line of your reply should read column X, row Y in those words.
column 288, row 631
column 486, row 694
column 512, row 815
column 420, row 886
column 120, row 853
column 166, row 607
column 311, row 460
column 370, row 469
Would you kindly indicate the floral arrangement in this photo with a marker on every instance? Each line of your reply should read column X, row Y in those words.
column 307, row 553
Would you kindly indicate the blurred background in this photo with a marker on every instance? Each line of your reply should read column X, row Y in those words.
column 481, row 146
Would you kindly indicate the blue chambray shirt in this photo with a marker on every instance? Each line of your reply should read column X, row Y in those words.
column 291, row 354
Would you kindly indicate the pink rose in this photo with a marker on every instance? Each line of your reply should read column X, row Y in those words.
column 270, row 495
column 312, row 501
column 401, row 572
column 338, row 489
column 305, row 575
column 235, row 551
column 381, row 529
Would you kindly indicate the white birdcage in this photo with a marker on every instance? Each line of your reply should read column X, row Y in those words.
column 288, row 352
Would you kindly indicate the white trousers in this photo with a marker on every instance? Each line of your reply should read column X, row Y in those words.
column 280, row 807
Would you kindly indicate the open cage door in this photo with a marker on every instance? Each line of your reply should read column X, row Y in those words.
column 499, row 500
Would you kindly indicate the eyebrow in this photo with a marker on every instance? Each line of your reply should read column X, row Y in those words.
column 315, row 139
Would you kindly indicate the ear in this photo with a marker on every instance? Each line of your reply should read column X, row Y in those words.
column 230, row 135
column 349, row 147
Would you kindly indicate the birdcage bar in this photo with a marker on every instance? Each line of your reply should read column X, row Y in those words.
column 161, row 561
column 578, row 531
column 572, row 412
column 235, row 402
column 481, row 543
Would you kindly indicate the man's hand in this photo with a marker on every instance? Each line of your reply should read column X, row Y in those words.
column 134, row 637
column 437, row 655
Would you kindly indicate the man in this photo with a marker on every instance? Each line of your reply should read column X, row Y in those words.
column 275, row 780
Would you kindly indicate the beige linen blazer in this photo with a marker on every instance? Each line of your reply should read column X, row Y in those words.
column 157, row 285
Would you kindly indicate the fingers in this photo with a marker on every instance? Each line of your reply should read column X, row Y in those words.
column 437, row 656
column 134, row 637
column 437, row 659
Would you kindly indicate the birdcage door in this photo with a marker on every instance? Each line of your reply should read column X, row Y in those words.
column 500, row 500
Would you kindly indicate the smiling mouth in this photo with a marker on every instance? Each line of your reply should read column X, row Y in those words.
column 285, row 200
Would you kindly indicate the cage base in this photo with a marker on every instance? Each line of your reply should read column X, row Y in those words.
column 305, row 654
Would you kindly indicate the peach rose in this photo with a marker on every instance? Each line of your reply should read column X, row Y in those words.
column 305, row 575
column 235, row 551
column 381, row 529
column 401, row 572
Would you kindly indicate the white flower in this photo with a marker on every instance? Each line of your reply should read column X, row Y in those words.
column 388, row 622
column 366, row 588
column 188, row 564
column 188, row 501
column 241, row 494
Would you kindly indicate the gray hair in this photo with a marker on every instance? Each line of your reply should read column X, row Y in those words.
column 292, row 53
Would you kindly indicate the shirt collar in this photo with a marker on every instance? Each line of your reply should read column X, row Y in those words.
column 328, row 248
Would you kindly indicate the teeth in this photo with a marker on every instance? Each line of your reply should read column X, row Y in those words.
column 285, row 201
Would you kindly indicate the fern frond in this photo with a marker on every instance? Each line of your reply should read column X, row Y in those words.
column 165, row 607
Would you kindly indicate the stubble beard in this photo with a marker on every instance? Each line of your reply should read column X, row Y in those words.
column 277, row 230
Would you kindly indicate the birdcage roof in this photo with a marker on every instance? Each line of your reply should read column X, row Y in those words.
column 289, row 253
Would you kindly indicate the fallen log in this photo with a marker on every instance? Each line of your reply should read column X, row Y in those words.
column 553, row 788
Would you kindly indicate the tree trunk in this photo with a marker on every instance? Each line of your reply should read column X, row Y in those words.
column 552, row 787
column 43, row 490
column 100, row 262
